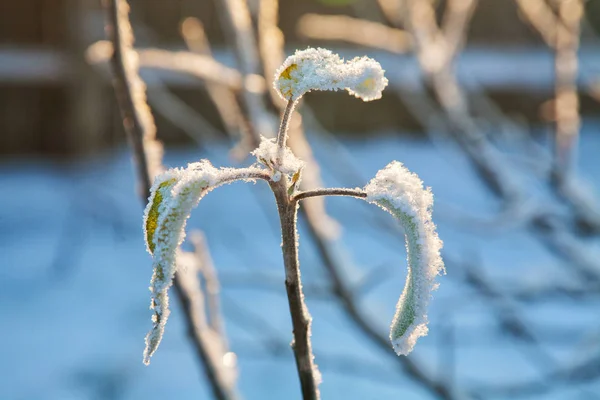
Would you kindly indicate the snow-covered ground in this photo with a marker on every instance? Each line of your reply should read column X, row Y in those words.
column 74, row 279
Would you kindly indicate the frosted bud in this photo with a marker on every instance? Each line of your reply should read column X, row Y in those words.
column 173, row 196
column 320, row 69
column 268, row 154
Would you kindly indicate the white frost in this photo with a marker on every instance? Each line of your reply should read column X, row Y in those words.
column 401, row 193
column 278, row 161
column 320, row 69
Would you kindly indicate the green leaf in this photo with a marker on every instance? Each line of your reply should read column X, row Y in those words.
column 401, row 193
column 151, row 217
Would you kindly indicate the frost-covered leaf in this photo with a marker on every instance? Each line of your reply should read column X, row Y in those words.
column 156, row 203
column 172, row 198
column 401, row 193
column 320, row 69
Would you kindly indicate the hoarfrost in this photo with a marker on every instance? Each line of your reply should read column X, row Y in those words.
column 320, row 69
column 278, row 161
column 401, row 193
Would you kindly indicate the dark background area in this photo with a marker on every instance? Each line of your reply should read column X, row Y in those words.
column 53, row 103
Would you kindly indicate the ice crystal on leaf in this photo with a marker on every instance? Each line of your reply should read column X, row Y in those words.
column 320, row 69
column 401, row 193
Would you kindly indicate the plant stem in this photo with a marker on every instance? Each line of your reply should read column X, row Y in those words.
column 283, row 128
column 330, row 192
column 301, row 319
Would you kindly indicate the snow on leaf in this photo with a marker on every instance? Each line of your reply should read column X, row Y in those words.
column 268, row 154
column 401, row 193
column 320, row 69
column 155, row 203
column 173, row 196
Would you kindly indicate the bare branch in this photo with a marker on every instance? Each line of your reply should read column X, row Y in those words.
column 301, row 319
column 363, row 320
column 215, row 347
column 223, row 97
column 566, row 103
column 329, row 192
column 213, row 288
column 237, row 21
column 200, row 66
column 180, row 114
column 283, row 128
column 128, row 84
column 392, row 11
column 539, row 14
column 454, row 26
column 353, row 30
column 270, row 43
column 203, row 67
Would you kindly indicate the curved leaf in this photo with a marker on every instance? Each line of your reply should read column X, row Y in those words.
column 401, row 193
column 174, row 195
column 156, row 202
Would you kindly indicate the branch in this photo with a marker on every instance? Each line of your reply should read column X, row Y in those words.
column 566, row 103
column 283, row 128
column 211, row 280
column 310, row 376
column 126, row 81
column 215, row 346
column 270, row 43
column 237, row 21
column 224, row 99
column 180, row 113
column 508, row 316
column 327, row 249
column 491, row 164
column 201, row 66
column 455, row 25
column 329, row 192
column 539, row 14
column 353, row 30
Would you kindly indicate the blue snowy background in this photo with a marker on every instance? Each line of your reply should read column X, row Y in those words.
column 74, row 298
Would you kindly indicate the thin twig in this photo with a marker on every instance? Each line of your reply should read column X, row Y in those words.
column 236, row 19
column 354, row 30
column 122, row 80
column 270, row 43
column 301, row 319
column 364, row 322
column 539, row 14
column 566, row 102
column 283, row 128
column 211, row 281
column 201, row 66
column 223, row 97
column 329, row 192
